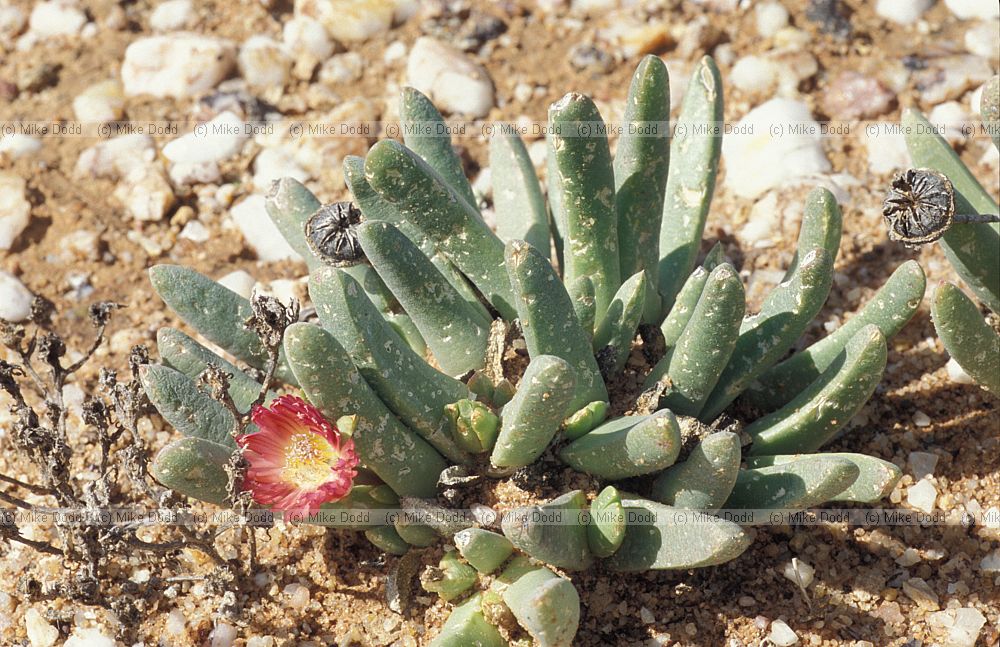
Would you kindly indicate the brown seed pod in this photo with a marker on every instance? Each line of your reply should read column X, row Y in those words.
column 919, row 207
column 330, row 234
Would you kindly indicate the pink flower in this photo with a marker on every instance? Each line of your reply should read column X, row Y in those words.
column 297, row 459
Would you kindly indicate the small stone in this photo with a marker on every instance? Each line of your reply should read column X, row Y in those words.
column 762, row 225
column 12, row 22
column 922, row 496
column 141, row 576
column 831, row 17
column 40, row 632
column 224, row 635
column 303, row 35
column 646, row 616
column 273, row 164
column 759, row 158
column 145, row 193
column 523, row 92
column 799, row 573
column 15, row 300
column 954, row 118
column 921, row 592
column 904, row 12
column 8, row 90
column 957, row 374
column 921, row 419
column 983, row 39
column 17, row 145
column 179, row 65
column 889, row 613
column 260, row 232
column 56, row 18
column 754, row 74
column 215, row 141
column 176, row 623
column 100, row 102
column 852, row 96
column 196, row 232
column 260, row 641
column 188, row 175
column 350, row 20
column 452, row 80
column 264, row 62
column 15, row 210
column 949, row 77
column 152, row 247
column 342, row 68
column 633, row 37
column 746, row 601
column 37, row 76
column 909, row 557
column 92, row 637
column 242, row 284
column 395, row 51
column 172, row 15
column 963, row 625
column 781, row 634
column 589, row 57
column 80, row 245
column 922, row 464
column 297, row 596
column 591, row 6
column 771, row 17
column 115, row 157
column 478, row 29
column 982, row 9
column 991, row 563
column 887, row 150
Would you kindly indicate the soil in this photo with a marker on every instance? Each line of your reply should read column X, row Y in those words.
column 857, row 596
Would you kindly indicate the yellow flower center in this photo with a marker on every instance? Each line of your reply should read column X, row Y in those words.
column 308, row 459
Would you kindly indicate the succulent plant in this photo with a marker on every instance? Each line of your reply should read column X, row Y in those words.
column 415, row 344
column 971, row 244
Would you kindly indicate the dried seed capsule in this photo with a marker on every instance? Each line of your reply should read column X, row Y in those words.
column 920, row 207
column 331, row 236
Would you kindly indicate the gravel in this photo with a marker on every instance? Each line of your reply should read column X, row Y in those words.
column 240, row 282
column 350, row 20
column 260, row 232
column 455, row 82
column 781, row 634
column 17, row 145
column 15, row 299
column 984, row 9
column 15, row 210
column 56, row 18
column 922, row 496
column 921, row 592
column 771, row 17
column 758, row 157
column 852, row 95
column 215, row 141
column 904, row 12
column 798, row 573
column 179, row 65
column 40, row 632
column 172, row 15
column 100, row 102
column 922, row 464
column 264, row 63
